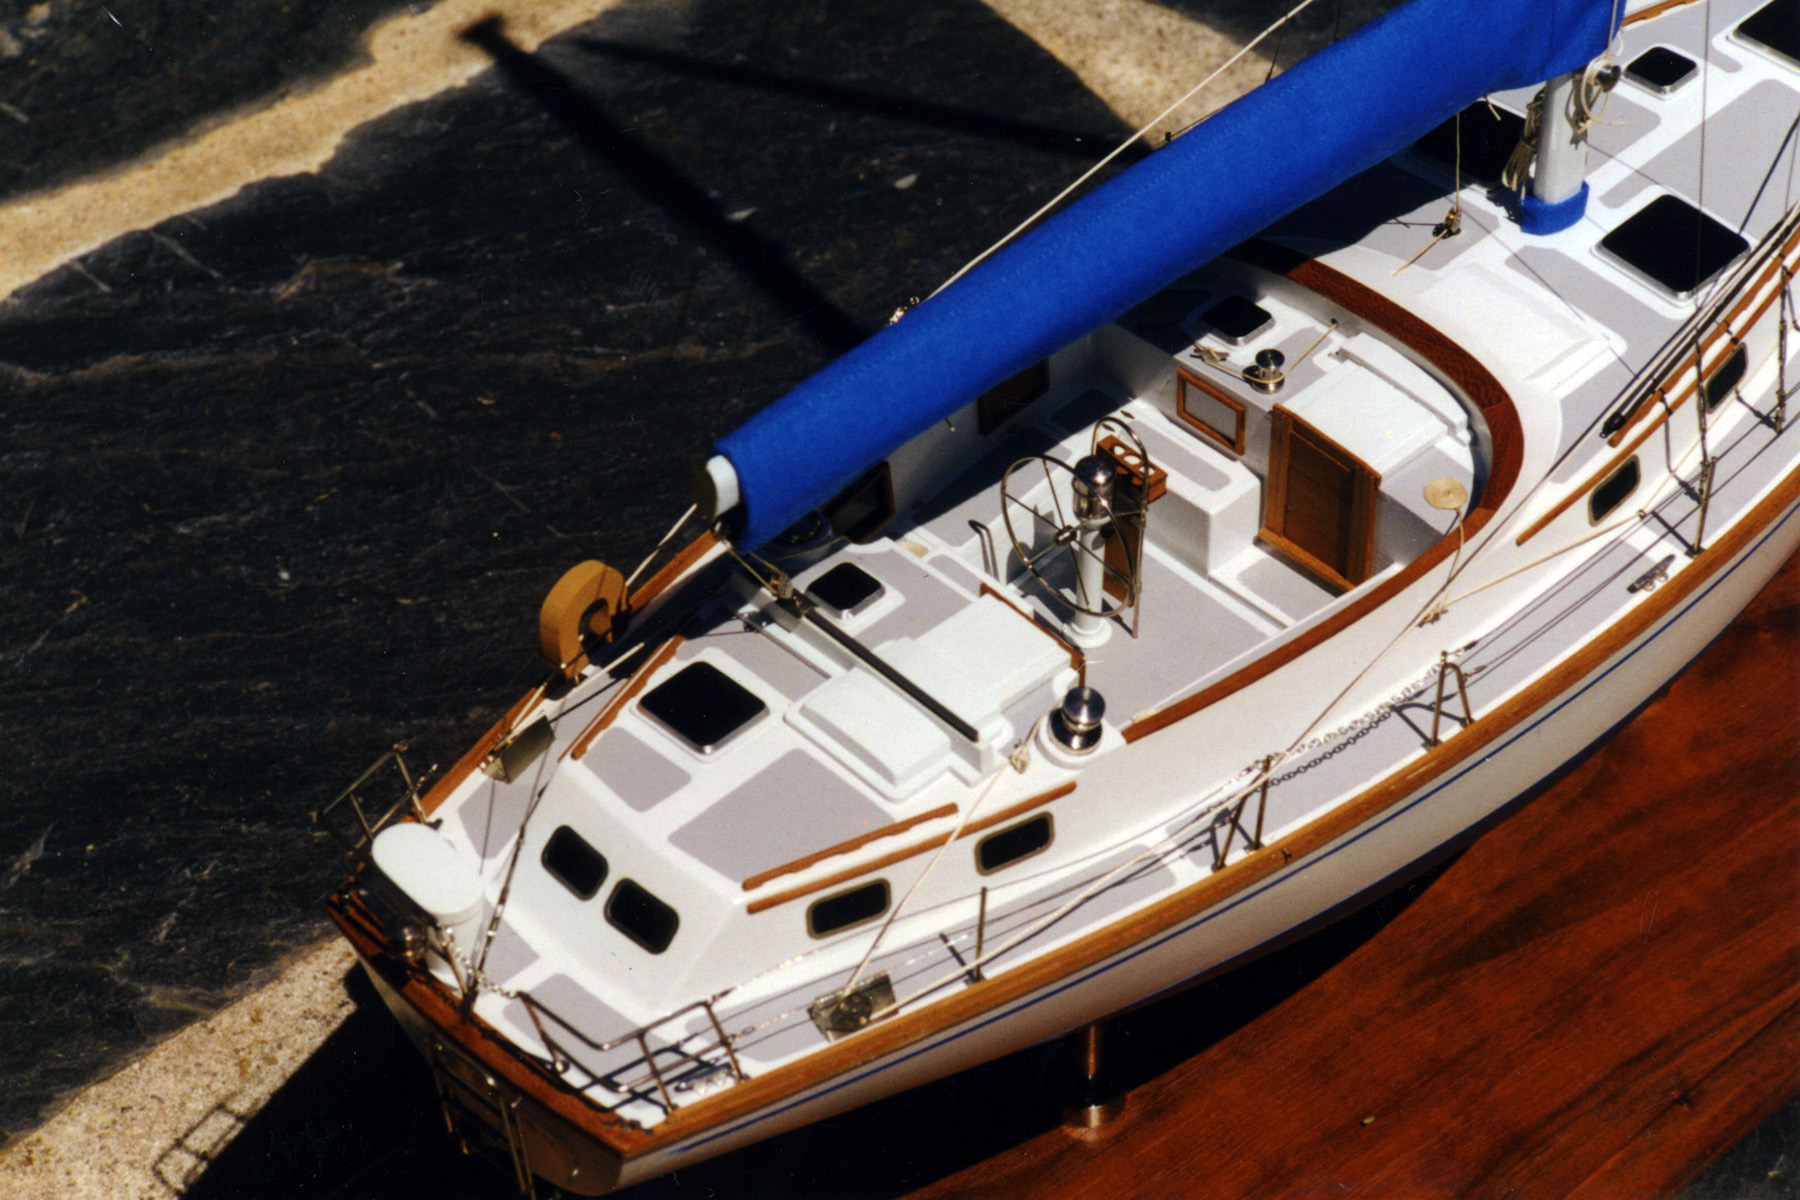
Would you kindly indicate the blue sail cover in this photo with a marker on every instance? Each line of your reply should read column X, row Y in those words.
column 1333, row 115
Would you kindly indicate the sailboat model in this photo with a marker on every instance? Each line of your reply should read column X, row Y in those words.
column 1197, row 565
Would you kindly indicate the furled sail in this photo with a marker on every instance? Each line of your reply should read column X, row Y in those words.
column 1335, row 114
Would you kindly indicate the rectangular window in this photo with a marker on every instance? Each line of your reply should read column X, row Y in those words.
column 847, row 909
column 1725, row 378
column 1613, row 491
column 1211, row 411
column 640, row 916
column 573, row 863
column 1485, row 135
column 1013, row 844
column 1775, row 25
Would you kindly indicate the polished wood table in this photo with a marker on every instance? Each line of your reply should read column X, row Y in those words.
column 1596, row 999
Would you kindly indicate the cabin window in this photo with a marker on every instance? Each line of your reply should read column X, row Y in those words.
column 1011, row 845
column 1238, row 319
column 1209, row 410
column 846, row 590
column 640, row 916
column 1725, row 378
column 846, row 909
column 1319, row 503
column 1775, row 26
column 703, row 706
column 1487, row 135
column 573, row 863
column 1673, row 244
column 862, row 509
column 1660, row 69
column 1010, row 397
column 1613, row 491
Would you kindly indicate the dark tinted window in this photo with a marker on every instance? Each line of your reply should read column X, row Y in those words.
column 1674, row 243
column 1237, row 318
column 573, row 863
column 862, row 509
column 849, row 908
column 1002, row 849
column 1725, row 378
column 1613, row 491
column 703, row 705
column 641, row 917
column 1776, row 26
column 1660, row 69
column 847, row 588
column 1488, row 137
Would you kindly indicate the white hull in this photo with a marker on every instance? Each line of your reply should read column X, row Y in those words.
column 1387, row 849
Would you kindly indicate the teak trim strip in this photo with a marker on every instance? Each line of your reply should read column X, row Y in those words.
column 846, row 875
column 617, row 704
column 1456, row 364
column 672, row 570
column 1013, row 810
column 856, row 843
column 930, row 843
column 1655, row 10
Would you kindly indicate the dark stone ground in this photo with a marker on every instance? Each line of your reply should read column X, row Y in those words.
column 283, row 481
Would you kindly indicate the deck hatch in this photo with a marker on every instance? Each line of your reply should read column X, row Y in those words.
column 1775, row 26
column 1660, row 69
column 846, row 589
column 640, row 916
column 1238, row 319
column 573, row 863
column 703, row 706
column 1673, row 244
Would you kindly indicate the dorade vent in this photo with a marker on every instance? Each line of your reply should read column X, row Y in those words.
column 846, row 590
column 640, row 916
column 1660, row 69
column 1673, row 244
column 703, row 706
column 1238, row 319
column 1014, row 844
column 1613, row 491
column 847, row 909
column 1775, row 26
column 1488, row 137
column 573, row 863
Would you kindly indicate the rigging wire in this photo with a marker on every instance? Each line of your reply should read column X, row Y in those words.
column 1136, row 137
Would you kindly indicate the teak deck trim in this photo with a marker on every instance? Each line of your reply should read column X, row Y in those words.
column 1462, row 369
column 1013, row 810
column 616, row 705
column 845, row 847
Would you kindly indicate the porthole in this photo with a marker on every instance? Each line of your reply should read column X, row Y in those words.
column 847, row 909
column 1613, row 491
column 1013, row 844
column 573, row 863
column 640, row 916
